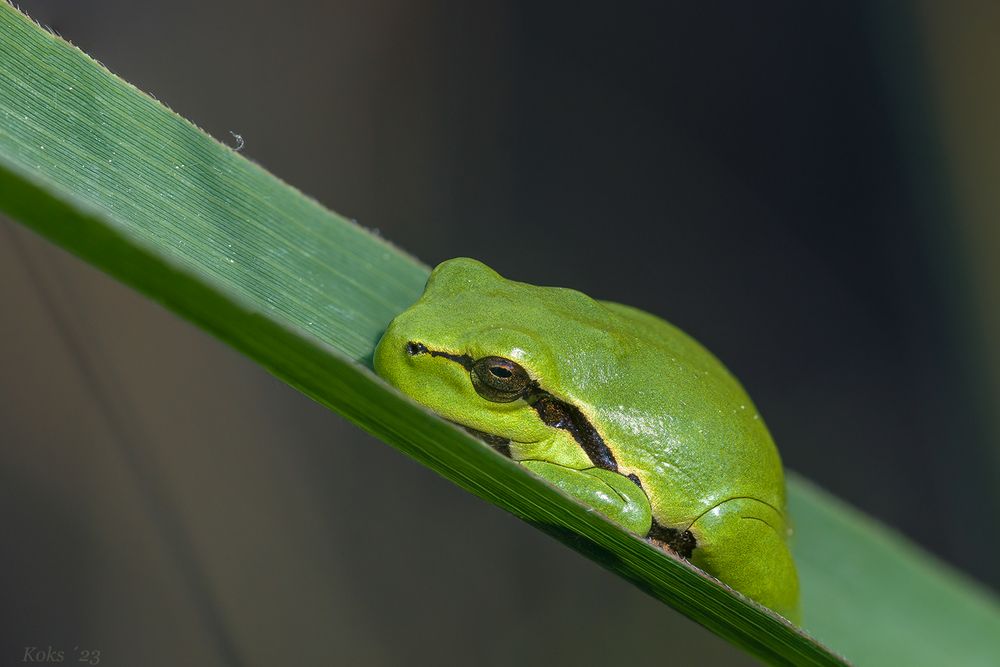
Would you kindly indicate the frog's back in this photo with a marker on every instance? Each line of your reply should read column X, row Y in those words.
column 694, row 422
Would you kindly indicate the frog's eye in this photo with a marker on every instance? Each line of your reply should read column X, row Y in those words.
column 499, row 380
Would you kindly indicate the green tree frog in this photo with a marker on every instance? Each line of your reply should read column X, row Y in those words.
column 614, row 406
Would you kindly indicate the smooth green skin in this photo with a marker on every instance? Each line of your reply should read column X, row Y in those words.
column 669, row 411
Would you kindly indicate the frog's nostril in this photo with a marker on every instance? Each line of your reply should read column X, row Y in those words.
column 414, row 349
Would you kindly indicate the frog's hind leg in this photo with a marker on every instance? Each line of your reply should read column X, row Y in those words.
column 742, row 542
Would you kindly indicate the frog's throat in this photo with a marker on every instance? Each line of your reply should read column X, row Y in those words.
column 551, row 410
column 497, row 442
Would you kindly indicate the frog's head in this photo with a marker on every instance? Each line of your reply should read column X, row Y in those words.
column 476, row 345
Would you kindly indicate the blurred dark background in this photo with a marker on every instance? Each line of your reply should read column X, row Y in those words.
column 807, row 190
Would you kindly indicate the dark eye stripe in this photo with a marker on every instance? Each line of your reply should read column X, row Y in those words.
column 552, row 412
column 414, row 348
column 562, row 415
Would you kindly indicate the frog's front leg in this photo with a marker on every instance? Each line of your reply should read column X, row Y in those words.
column 613, row 495
column 742, row 542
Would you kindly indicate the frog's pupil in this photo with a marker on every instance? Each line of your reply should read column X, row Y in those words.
column 501, row 372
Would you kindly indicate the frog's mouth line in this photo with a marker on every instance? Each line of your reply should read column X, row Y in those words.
column 497, row 442
column 552, row 411
column 566, row 416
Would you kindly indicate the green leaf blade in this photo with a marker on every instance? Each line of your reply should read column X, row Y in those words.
column 110, row 174
column 857, row 573
column 144, row 169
